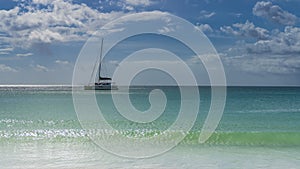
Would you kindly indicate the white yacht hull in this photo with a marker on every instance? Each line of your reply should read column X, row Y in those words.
column 101, row 87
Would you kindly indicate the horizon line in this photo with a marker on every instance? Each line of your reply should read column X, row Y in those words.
column 70, row 85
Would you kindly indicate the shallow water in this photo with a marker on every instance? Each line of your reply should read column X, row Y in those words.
column 259, row 129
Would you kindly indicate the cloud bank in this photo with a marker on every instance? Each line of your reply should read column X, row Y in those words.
column 247, row 29
column 6, row 68
column 45, row 21
column 274, row 13
column 276, row 51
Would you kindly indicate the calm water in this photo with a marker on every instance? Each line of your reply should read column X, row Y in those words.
column 260, row 128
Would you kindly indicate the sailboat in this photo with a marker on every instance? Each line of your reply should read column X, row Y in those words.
column 101, row 83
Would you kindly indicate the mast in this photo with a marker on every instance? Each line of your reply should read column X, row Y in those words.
column 100, row 64
column 100, row 60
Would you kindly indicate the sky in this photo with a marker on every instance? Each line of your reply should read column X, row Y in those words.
column 257, row 41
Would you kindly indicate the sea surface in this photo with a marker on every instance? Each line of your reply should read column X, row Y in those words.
column 260, row 128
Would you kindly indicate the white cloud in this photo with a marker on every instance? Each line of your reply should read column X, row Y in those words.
column 205, row 14
column 139, row 2
column 62, row 62
column 127, row 5
column 204, row 28
column 274, row 13
column 265, row 64
column 279, row 54
column 280, row 43
column 147, row 16
column 60, row 20
column 248, row 29
column 129, row 8
column 166, row 30
column 293, row 62
column 273, row 52
column 44, row 2
column 152, row 16
column 5, row 68
column 46, row 36
column 4, row 53
column 41, row 68
column 6, row 49
column 24, row 54
column 237, row 15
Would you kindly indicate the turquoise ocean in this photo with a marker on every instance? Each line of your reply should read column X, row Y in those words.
column 260, row 128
